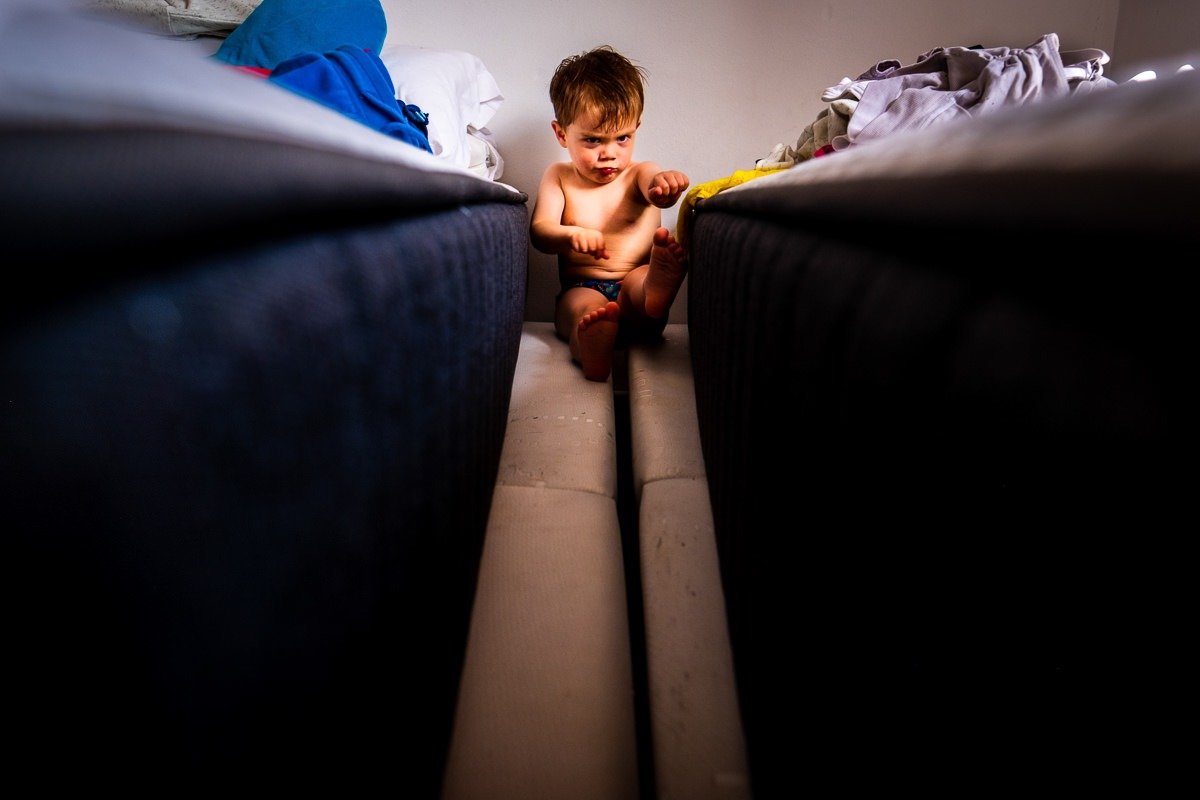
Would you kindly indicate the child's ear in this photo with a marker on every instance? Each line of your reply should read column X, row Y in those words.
column 559, row 132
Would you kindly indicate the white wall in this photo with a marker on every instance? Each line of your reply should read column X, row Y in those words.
column 1159, row 35
column 727, row 81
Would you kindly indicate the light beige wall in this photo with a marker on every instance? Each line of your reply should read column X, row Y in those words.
column 727, row 81
column 1159, row 35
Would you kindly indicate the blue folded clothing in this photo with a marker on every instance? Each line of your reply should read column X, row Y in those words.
column 355, row 82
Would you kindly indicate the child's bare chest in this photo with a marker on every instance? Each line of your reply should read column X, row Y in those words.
column 611, row 209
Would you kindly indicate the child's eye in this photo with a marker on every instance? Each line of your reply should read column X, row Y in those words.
column 592, row 140
column 623, row 139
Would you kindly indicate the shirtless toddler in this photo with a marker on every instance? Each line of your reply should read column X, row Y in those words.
column 600, row 212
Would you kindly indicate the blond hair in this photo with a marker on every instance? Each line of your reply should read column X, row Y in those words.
column 600, row 80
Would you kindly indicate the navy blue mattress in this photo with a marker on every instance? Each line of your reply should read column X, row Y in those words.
column 255, row 387
column 945, row 416
column 252, row 421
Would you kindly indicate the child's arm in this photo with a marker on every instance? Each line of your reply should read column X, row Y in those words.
column 546, row 231
column 660, row 187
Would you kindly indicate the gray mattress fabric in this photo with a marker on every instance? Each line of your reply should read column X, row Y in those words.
column 942, row 431
column 102, row 203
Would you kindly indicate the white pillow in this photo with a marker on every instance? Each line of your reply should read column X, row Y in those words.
column 454, row 88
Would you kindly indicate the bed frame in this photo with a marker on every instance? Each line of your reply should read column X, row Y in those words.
column 255, row 393
column 942, row 393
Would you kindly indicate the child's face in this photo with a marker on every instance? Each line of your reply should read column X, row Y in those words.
column 598, row 154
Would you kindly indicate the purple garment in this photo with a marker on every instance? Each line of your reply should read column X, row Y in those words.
column 951, row 82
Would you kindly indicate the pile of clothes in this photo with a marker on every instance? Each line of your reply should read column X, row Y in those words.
column 942, row 84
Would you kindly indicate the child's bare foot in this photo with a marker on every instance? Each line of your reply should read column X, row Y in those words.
column 596, row 336
column 668, row 266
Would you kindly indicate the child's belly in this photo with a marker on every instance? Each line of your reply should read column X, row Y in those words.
column 578, row 265
column 626, row 251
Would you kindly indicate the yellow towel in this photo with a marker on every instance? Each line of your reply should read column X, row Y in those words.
column 695, row 194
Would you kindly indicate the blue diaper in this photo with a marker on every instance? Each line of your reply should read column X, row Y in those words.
column 609, row 289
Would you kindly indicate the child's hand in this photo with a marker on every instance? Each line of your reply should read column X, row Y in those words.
column 666, row 187
column 589, row 242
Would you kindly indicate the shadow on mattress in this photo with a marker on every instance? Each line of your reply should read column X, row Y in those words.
column 246, row 497
column 946, row 494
